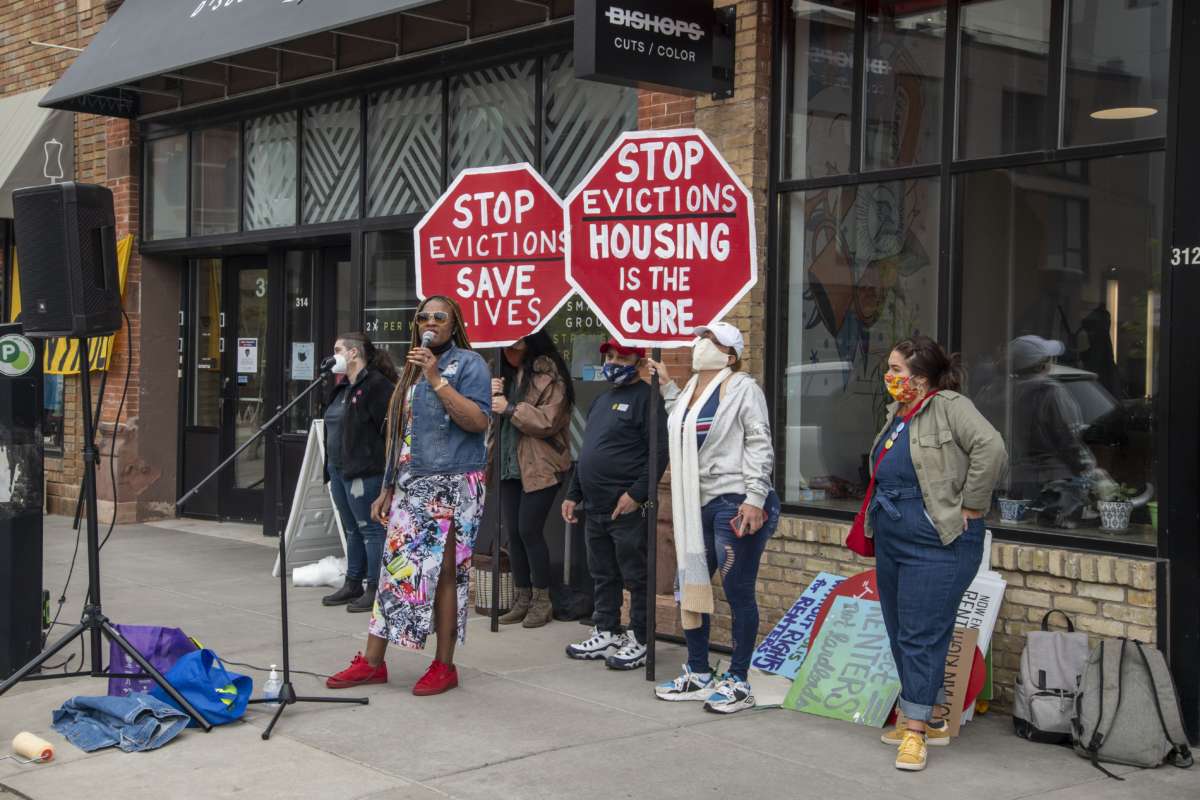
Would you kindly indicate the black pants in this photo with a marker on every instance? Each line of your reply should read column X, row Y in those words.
column 616, row 551
column 524, row 521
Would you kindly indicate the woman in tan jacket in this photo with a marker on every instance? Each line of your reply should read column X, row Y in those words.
column 532, row 401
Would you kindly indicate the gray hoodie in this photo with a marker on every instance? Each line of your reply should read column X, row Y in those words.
column 737, row 456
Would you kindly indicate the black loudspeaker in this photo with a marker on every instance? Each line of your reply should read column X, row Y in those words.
column 67, row 256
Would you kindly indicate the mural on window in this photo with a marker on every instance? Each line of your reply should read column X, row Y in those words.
column 863, row 273
column 331, row 161
column 271, row 171
column 404, row 149
column 492, row 116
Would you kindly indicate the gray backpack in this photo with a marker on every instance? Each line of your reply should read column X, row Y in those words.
column 1052, row 667
column 1127, row 711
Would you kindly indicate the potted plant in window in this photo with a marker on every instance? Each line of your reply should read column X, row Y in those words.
column 1115, row 503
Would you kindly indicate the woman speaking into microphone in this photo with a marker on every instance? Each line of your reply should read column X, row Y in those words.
column 431, row 501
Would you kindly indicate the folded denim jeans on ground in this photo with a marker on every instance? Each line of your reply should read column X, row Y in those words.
column 133, row 723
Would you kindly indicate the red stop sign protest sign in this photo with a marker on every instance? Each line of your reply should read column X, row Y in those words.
column 661, row 237
column 494, row 242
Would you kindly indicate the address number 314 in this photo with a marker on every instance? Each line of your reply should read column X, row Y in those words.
column 1185, row 256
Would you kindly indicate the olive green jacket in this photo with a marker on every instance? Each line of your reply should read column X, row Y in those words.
column 959, row 458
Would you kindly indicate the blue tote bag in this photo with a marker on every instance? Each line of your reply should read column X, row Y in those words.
column 202, row 679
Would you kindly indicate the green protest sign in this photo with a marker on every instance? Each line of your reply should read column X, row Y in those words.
column 849, row 673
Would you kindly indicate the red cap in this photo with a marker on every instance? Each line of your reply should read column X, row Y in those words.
column 613, row 344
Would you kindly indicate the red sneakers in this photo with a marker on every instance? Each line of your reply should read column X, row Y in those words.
column 359, row 673
column 437, row 679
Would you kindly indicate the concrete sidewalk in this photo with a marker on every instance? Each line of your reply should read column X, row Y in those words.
column 527, row 722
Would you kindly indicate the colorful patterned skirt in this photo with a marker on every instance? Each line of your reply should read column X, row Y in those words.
column 423, row 511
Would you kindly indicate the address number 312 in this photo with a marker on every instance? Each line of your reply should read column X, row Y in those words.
column 1185, row 256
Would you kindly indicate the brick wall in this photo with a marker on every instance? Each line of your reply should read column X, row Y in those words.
column 1104, row 595
column 25, row 66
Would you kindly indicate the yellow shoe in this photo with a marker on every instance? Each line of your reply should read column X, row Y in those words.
column 937, row 734
column 912, row 752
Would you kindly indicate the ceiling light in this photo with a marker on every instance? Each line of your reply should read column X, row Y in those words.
column 1127, row 112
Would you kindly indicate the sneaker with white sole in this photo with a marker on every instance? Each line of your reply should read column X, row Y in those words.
column 688, row 686
column 729, row 696
column 600, row 644
column 631, row 654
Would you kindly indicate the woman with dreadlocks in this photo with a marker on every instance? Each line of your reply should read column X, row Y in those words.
column 431, row 500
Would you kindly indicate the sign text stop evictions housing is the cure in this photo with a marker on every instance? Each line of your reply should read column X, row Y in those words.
column 661, row 237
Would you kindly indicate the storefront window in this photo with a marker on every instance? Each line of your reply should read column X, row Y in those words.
column 1062, row 292
column 492, row 116
column 819, row 89
column 1117, row 63
column 404, row 149
column 271, row 171
column 1003, row 77
column 905, row 61
column 216, row 173
column 582, row 119
column 390, row 291
column 862, row 273
column 166, row 182
column 332, row 161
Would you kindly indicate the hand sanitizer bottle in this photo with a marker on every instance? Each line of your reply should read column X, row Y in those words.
column 272, row 686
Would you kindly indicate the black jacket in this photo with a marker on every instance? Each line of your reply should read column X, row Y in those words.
column 615, row 456
column 364, row 426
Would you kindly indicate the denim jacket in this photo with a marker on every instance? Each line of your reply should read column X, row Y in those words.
column 439, row 446
column 133, row 723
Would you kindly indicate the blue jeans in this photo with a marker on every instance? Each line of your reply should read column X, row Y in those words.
column 133, row 723
column 739, row 576
column 921, row 583
column 364, row 536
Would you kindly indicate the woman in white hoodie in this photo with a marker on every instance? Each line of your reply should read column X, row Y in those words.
column 723, row 507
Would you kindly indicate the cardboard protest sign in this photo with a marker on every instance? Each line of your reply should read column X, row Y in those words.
column 978, row 610
column 959, row 660
column 783, row 650
column 849, row 673
column 494, row 241
column 660, row 237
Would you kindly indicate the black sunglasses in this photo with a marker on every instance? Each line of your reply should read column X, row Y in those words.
column 436, row 316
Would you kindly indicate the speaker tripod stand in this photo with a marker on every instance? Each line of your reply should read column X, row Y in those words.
column 287, row 693
column 93, row 623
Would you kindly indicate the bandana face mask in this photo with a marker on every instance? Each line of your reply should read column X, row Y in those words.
column 901, row 388
column 620, row 374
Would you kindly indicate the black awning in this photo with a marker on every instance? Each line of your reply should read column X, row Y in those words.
column 148, row 48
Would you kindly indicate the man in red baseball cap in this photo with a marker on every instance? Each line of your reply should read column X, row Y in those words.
column 610, row 486
column 614, row 346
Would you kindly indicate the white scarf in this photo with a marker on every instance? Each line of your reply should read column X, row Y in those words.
column 695, row 582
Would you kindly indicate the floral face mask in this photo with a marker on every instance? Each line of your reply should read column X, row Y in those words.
column 901, row 387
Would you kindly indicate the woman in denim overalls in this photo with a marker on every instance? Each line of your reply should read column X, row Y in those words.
column 938, row 461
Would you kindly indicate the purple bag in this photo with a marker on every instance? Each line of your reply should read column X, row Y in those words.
column 162, row 647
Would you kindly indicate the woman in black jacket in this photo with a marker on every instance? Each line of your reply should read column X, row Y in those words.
column 355, row 448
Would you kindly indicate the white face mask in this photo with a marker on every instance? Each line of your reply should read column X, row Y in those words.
column 339, row 364
column 706, row 356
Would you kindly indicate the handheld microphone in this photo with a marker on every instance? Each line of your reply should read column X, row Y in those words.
column 427, row 339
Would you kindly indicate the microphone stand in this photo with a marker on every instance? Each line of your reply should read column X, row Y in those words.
column 287, row 693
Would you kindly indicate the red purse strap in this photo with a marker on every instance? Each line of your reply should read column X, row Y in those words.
column 884, row 451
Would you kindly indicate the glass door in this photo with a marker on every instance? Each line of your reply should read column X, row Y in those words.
column 245, row 379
